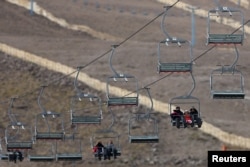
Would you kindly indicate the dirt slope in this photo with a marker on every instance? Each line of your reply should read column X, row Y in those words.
column 37, row 35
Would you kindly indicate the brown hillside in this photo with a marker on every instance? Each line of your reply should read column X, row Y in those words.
column 136, row 56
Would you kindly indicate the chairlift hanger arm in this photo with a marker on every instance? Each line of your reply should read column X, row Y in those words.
column 110, row 60
column 193, row 85
column 39, row 98
column 12, row 116
column 163, row 27
column 76, row 79
column 236, row 57
column 116, row 74
column 150, row 97
column 79, row 93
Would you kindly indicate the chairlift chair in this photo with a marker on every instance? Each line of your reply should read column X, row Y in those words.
column 237, row 92
column 17, row 135
column 46, row 119
column 106, row 136
column 88, row 103
column 152, row 135
column 69, row 156
column 128, row 81
column 170, row 42
column 12, row 136
column 164, row 65
column 42, row 158
column 224, row 38
column 10, row 156
column 122, row 100
column 185, row 103
column 49, row 134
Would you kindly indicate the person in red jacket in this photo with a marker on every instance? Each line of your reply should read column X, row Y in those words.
column 100, row 150
column 187, row 117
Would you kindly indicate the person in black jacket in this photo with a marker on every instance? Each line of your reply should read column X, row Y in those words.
column 101, row 150
column 194, row 113
column 176, row 113
column 20, row 155
column 111, row 150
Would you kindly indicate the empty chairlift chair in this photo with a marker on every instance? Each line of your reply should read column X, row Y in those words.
column 43, row 130
column 47, row 122
column 18, row 136
column 226, row 75
column 41, row 158
column 169, row 58
column 174, row 54
column 45, row 157
column 69, row 150
column 227, row 82
column 127, row 82
column 142, row 127
column 151, row 134
column 85, row 108
column 216, row 34
column 129, row 99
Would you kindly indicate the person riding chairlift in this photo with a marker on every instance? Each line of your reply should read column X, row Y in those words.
column 187, row 117
column 194, row 113
column 111, row 150
column 176, row 113
column 100, row 150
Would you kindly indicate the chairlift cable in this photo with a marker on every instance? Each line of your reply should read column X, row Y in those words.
column 102, row 55
column 170, row 73
column 202, row 54
column 150, row 84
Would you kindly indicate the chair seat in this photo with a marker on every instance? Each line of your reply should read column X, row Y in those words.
column 144, row 139
column 225, row 39
column 19, row 145
column 41, row 158
column 50, row 135
column 86, row 119
column 65, row 157
column 122, row 101
column 175, row 67
column 227, row 95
